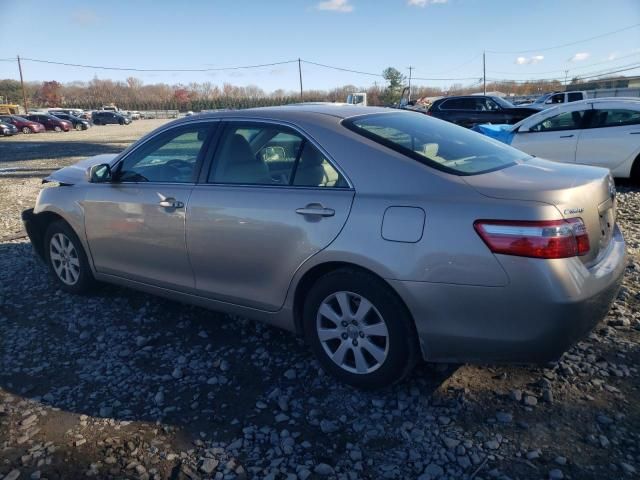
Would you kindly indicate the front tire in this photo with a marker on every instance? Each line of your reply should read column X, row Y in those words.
column 359, row 329
column 78, row 126
column 67, row 259
column 26, row 130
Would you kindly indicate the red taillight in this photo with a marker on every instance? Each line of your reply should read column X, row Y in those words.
column 537, row 239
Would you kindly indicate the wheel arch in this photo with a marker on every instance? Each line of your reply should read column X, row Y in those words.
column 634, row 173
column 36, row 226
column 311, row 276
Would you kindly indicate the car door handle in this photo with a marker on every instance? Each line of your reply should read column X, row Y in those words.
column 634, row 133
column 170, row 203
column 566, row 136
column 318, row 211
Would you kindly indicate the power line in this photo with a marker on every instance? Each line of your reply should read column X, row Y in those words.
column 343, row 69
column 128, row 69
column 565, row 44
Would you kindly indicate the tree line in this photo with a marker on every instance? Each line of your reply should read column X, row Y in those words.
column 133, row 94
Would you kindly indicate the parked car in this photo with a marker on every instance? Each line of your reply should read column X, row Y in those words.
column 603, row 132
column 103, row 117
column 70, row 111
column 382, row 236
column 134, row 115
column 50, row 122
column 8, row 129
column 470, row 110
column 23, row 124
column 78, row 123
column 554, row 98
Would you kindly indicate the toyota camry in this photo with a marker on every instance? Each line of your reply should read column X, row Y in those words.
column 383, row 237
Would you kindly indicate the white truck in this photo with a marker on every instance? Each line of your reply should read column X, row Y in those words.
column 554, row 98
column 358, row 98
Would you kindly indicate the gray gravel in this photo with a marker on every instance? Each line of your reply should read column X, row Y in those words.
column 120, row 384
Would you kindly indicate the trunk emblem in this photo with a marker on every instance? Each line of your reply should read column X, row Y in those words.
column 573, row 211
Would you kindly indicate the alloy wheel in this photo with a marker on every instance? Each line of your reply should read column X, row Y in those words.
column 64, row 259
column 352, row 332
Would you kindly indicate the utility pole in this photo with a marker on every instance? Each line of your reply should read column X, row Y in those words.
column 300, row 75
column 410, row 69
column 24, row 94
column 484, row 74
column 566, row 74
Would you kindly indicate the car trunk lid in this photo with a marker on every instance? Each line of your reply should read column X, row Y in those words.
column 576, row 191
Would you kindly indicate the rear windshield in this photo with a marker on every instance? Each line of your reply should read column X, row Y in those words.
column 436, row 143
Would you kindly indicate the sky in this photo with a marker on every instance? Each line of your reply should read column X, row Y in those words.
column 441, row 39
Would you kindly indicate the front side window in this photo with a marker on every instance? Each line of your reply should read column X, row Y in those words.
column 170, row 157
column 267, row 154
column 562, row 121
column 615, row 118
column 438, row 144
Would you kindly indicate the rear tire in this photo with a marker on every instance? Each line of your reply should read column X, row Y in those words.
column 57, row 128
column 66, row 259
column 359, row 330
column 78, row 126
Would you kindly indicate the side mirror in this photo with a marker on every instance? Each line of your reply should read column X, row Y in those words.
column 99, row 173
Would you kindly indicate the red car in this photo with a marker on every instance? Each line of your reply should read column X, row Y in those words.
column 50, row 122
column 22, row 124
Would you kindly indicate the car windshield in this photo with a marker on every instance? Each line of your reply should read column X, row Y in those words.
column 19, row 119
column 502, row 102
column 542, row 99
column 436, row 143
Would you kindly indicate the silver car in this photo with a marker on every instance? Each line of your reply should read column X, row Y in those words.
column 382, row 236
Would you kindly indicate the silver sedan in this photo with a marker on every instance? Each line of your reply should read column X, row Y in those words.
column 381, row 236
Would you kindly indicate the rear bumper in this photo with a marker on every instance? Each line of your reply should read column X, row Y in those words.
column 547, row 307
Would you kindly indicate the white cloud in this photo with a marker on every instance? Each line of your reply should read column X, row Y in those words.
column 529, row 60
column 424, row 3
column 612, row 56
column 336, row 6
column 84, row 18
column 578, row 57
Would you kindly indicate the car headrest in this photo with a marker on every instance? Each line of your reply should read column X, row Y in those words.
column 240, row 150
column 312, row 157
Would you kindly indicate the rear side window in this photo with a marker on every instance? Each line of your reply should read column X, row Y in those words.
column 574, row 97
column 459, row 104
column 615, row 118
column 435, row 143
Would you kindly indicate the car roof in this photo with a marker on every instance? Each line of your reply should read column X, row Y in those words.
column 299, row 111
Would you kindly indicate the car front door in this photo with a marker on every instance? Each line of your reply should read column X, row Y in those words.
column 611, row 138
column 554, row 138
column 135, row 224
column 270, row 200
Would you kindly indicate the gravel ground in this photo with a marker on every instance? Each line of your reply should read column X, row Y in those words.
column 122, row 384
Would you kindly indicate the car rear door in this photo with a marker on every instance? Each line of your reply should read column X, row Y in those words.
column 135, row 225
column 270, row 200
column 612, row 136
column 555, row 137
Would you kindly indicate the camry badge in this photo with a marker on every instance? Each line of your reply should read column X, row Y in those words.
column 573, row 211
